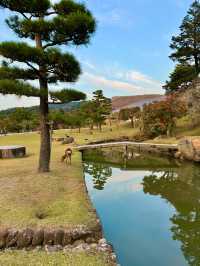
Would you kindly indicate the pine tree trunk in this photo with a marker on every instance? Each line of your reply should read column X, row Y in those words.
column 91, row 126
column 196, row 64
column 132, row 123
column 45, row 145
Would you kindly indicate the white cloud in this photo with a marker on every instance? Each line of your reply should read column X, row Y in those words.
column 88, row 64
column 137, row 76
column 100, row 81
column 116, row 78
column 115, row 16
column 9, row 101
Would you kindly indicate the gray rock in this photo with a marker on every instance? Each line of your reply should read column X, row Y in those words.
column 79, row 248
column 189, row 147
column 90, row 240
column 78, row 243
column 77, row 234
column 68, row 248
column 49, row 237
column 59, row 235
column 67, row 238
column 93, row 246
column 178, row 155
column 68, row 140
column 86, row 246
column 102, row 241
column 55, row 248
column 38, row 237
column 113, row 257
column 3, row 236
column 38, row 248
column 11, row 240
column 24, row 238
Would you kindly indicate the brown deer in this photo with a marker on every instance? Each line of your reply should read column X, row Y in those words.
column 67, row 156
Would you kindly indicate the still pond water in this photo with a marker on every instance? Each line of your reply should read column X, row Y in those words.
column 151, row 217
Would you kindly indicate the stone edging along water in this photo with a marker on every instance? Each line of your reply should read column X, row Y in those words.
column 23, row 238
column 80, row 238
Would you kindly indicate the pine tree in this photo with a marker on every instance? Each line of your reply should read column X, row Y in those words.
column 180, row 79
column 48, row 26
column 102, row 106
column 186, row 45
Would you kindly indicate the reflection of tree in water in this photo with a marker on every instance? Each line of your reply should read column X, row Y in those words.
column 99, row 172
column 182, row 190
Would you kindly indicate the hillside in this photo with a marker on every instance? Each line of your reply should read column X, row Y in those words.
column 120, row 102
column 67, row 107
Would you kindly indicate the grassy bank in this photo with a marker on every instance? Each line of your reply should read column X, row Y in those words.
column 22, row 258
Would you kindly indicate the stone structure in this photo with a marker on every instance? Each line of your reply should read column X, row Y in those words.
column 192, row 99
column 31, row 237
column 68, row 140
column 189, row 148
column 161, row 149
column 12, row 152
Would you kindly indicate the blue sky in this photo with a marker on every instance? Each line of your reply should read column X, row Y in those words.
column 128, row 55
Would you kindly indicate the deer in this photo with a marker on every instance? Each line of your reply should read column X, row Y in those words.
column 67, row 156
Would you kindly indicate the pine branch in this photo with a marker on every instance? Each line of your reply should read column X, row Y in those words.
column 63, row 66
column 54, row 43
column 35, row 8
column 21, row 52
column 17, row 73
column 18, row 88
column 66, row 95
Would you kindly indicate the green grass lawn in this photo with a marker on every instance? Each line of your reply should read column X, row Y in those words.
column 24, row 193
column 23, row 258
column 85, row 136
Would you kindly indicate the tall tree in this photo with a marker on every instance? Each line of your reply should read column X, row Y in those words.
column 181, row 78
column 97, row 110
column 159, row 118
column 103, row 107
column 130, row 113
column 186, row 45
column 49, row 26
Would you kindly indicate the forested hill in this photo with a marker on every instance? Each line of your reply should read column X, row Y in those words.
column 65, row 106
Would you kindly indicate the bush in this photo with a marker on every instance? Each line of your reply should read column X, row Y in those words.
column 159, row 118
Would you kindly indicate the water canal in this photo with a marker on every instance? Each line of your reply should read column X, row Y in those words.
column 151, row 216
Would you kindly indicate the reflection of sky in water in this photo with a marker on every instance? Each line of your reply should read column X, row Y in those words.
column 137, row 224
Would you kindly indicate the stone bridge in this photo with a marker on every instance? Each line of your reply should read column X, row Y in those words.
column 167, row 149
